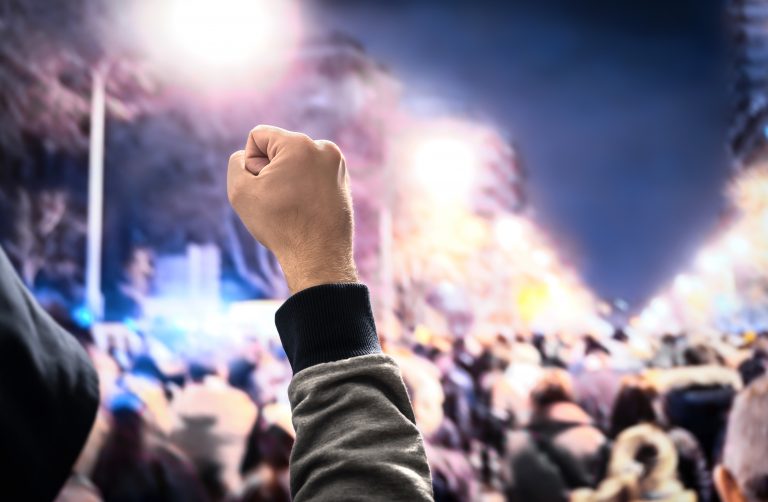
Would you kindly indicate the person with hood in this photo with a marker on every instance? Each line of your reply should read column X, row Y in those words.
column 690, row 392
column 637, row 403
column 643, row 467
column 49, row 394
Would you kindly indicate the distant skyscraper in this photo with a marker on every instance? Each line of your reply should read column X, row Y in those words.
column 749, row 128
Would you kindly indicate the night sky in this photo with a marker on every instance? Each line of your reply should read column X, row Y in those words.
column 619, row 110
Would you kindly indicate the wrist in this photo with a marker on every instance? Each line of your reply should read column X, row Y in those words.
column 300, row 278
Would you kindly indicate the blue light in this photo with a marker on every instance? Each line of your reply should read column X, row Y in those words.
column 126, row 400
column 82, row 317
column 131, row 324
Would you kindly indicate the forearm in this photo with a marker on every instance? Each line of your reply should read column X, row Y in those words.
column 355, row 433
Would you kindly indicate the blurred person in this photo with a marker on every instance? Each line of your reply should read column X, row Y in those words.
column 596, row 380
column 688, row 393
column 634, row 405
column 511, row 395
column 452, row 474
column 355, row 427
column 560, row 449
column 459, row 391
column 637, row 404
column 742, row 475
column 214, row 420
column 49, row 394
column 669, row 353
column 137, row 465
column 240, row 375
column 79, row 486
column 701, row 354
column 752, row 368
column 265, row 464
column 643, row 467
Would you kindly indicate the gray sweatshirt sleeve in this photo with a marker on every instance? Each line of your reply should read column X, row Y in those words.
column 356, row 437
column 355, row 434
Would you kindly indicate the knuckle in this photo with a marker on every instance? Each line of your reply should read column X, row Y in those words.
column 329, row 149
column 303, row 140
column 260, row 128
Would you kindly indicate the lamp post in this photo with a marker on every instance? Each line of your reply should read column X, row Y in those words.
column 93, row 297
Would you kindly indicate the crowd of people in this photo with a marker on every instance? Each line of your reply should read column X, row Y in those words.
column 541, row 418
column 331, row 411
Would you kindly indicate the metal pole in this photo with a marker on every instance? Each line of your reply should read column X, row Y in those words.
column 93, row 297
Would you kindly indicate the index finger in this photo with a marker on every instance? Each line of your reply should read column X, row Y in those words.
column 265, row 141
column 260, row 147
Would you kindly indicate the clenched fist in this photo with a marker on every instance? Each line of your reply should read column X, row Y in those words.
column 292, row 194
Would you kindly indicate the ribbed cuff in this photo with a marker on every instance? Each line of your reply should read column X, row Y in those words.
column 327, row 323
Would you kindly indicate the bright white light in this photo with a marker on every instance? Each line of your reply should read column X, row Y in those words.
column 659, row 306
column 684, row 284
column 650, row 319
column 221, row 39
column 509, row 231
column 543, row 258
column 445, row 167
column 711, row 261
column 737, row 245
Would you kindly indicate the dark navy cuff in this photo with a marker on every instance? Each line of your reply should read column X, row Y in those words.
column 327, row 323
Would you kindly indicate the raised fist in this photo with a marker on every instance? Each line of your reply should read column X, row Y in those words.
column 292, row 193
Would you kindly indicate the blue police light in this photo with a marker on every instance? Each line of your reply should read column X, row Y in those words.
column 83, row 317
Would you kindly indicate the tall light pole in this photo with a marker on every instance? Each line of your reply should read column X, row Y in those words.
column 93, row 297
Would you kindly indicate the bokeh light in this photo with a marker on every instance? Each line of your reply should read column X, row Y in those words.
column 221, row 43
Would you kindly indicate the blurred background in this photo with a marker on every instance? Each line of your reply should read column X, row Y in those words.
column 521, row 171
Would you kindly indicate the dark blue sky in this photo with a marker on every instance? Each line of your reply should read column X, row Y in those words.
column 618, row 108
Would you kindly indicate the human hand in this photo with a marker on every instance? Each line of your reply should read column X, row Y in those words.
column 293, row 196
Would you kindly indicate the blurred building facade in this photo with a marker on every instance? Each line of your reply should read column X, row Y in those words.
column 749, row 129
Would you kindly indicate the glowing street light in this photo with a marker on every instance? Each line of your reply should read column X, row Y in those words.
column 684, row 284
column 543, row 258
column 711, row 261
column 660, row 306
column 217, row 41
column 737, row 245
column 509, row 232
column 445, row 166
